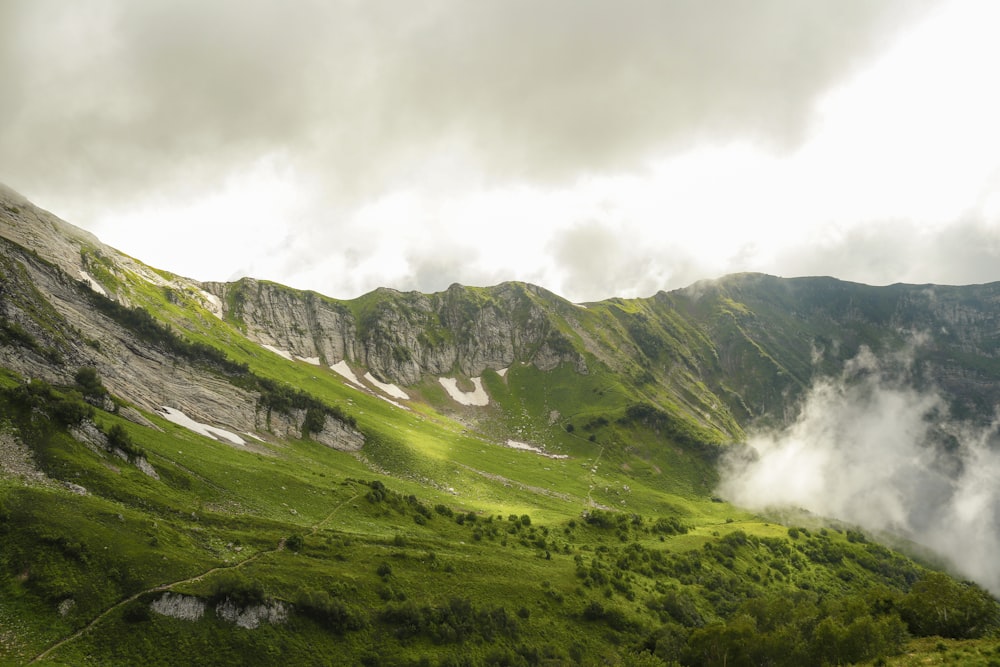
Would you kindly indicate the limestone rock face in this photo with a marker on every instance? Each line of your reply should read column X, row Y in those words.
column 49, row 327
column 302, row 323
column 400, row 336
column 334, row 433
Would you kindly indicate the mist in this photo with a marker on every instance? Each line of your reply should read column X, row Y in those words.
column 871, row 448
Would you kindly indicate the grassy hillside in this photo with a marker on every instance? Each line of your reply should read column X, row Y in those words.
column 570, row 521
column 457, row 551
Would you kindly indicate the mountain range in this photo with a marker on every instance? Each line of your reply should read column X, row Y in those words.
column 246, row 473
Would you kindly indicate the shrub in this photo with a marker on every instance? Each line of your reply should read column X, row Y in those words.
column 295, row 542
column 939, row 605
column 89, row 383
column 119, row 438
column 314, row 421
column 328, row 611
column 238, row 589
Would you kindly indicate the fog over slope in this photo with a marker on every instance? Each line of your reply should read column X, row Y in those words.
column 872, row 448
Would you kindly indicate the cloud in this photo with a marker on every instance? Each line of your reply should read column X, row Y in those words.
column 966, row 252
column 871, row 449
column 417, row 145
column 123, row 97
column 598, row 260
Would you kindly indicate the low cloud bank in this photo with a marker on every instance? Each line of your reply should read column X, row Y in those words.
column 871, row 449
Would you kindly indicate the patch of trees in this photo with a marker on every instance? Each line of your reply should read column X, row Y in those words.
column 669, row 526
column 285, row 399
column 119, row 438
column 939, row 605
column 801, row 628
column 614, row 617
column 640, row 330
column 65, row 408
column 329, row 612
column 559, row 343
column 238, row 589
column 682, row 431
column 715, row 613
column 12, row 333
column 787, row 629
column 381, row 495
column 454, row 622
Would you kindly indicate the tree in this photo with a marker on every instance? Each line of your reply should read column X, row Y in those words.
column 89, row 383
column 939, row 605
column 314, row 421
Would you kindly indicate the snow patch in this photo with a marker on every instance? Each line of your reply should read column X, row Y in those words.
column 285, row 354
column 390, row 389
column 93, row 284
column 177, row 417
column 343, row 370
column 477, row 397
column 503, row 372
column 516, row 444
column 392, row 402
column 280, row 353
column 212, row 303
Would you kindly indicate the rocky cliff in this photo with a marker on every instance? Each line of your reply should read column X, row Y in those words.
column 721, row 354
column 401, row 337
column 56, row 317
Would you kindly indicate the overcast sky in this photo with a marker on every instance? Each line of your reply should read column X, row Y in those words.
column 598, row 149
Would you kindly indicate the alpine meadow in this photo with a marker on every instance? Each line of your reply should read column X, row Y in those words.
column 748, row 471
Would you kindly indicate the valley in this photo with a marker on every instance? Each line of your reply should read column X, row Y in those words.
column 244, row 473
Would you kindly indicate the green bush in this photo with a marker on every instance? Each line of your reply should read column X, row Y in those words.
column 119, row 438
column 238, row 589
column 939, row 605
column 295, row 542
column 89, row 383
column 328, row 611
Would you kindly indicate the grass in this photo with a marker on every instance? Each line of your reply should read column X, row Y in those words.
column 220, row 509
column 436, row 542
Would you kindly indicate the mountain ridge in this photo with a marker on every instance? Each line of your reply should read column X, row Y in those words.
column 317, row 472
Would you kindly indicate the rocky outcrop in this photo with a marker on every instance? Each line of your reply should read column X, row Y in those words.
column 183, row 607
column 303, row 323
column 334, row 433
column 190, row 608
column 49, row 328
column 250, row 617
column 400, row 336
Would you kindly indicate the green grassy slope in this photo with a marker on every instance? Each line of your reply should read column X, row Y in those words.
column 436, row 543
column 517, row 566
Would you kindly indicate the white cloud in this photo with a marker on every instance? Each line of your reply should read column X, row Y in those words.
column 345, row 147
column 867, row 448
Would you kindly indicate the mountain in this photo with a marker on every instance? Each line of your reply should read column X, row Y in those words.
column 244, row 472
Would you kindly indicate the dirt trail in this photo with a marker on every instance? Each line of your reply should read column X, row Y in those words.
column 166, row 587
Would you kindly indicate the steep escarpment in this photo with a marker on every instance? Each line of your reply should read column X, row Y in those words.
column 773, row 337
column 400, row 336
column 52, row 324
